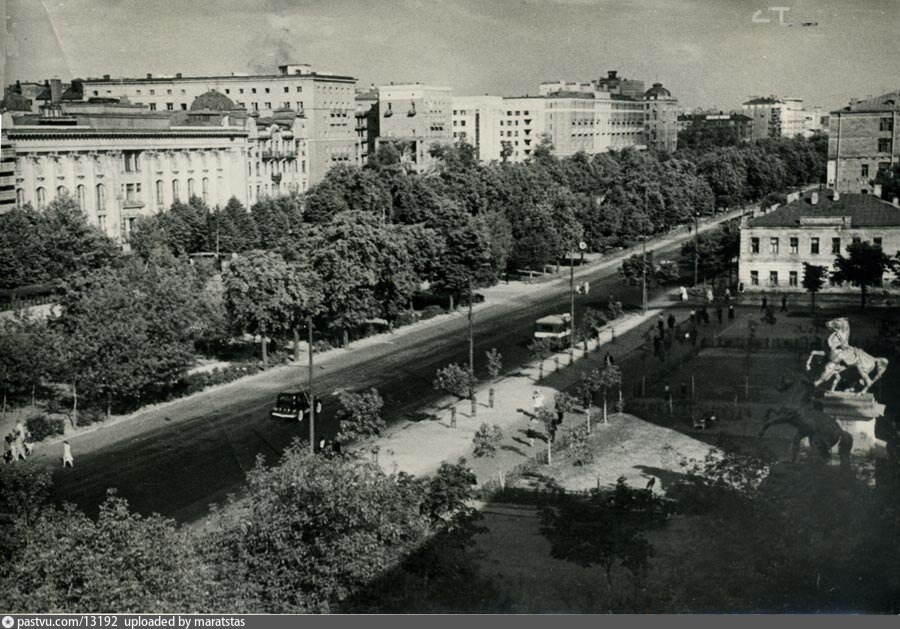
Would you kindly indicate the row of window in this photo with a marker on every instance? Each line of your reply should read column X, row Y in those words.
column 814, row 247
column 793, row 280
column 131, row 193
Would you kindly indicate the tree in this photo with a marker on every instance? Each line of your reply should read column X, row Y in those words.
column 605, row 379
column 257, row 295
column 359, row 416
column 864, row 266
column 311, row 531
column 607, row 529
column 541, row 349
column 120, row 562
column 548, row 419
column 448, row 494
column 486, row 442
column 456, row 381
column 813, row 280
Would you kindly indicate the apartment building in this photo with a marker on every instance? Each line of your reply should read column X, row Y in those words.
column 813, row 229
column 476, row 121
column 660, row 118
column 325, row 100
column 863, row 139
column 7, row 173
column 412, row 117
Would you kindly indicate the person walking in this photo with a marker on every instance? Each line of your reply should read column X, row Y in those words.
column 609, row 360
column 660, row 323
column 719, row 313
column 709, row 294
column 784, row 303
column 684, row 295
column 671, row 321
column 731, row 312
column 727, row 295
column 693, row 317
column 67, row 458
column 765, row 303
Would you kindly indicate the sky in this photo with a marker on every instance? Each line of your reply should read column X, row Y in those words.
column 709, row 53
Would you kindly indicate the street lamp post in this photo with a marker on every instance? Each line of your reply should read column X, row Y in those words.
column 644, row 274
column 472, row 350
column 312, row 401
column 572, row 304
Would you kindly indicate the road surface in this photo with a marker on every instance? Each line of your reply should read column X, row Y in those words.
column 178, row 465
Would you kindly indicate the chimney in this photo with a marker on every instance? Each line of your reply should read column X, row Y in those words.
column 814, row 198
column 612, row 73
column 178, row 76
column 106, row 77
column 149, row 76
column 55, row 90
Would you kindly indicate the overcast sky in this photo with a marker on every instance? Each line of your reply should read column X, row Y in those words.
column 710, row 53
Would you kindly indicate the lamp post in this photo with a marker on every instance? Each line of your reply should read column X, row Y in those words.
column 472, row 350
column 312, row 401
column 571, row 304
column 644, row 274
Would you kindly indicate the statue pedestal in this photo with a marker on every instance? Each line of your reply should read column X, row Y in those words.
column 856, row 413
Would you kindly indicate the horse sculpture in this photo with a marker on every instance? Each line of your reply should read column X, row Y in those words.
column 841, row 355
column 823, row 432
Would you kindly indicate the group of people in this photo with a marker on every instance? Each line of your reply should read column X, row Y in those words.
column 16, row 445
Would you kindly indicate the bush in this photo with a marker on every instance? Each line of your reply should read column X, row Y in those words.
column 430, row 312
column 88, row 416
column 405, row 318
column 41, row 427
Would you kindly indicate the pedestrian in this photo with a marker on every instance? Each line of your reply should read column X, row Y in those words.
column 719, row 313
column 765, row 303
column 705, row 314
column 656, row 344
column 709, row 294
column 660, row 323
column 609, row 360
column 727, row 294
column 67, row 459
column 684, row 295
column 693, row 317
column 741, row 288
column 671, row 321
column 784, row 303
column 731, row 312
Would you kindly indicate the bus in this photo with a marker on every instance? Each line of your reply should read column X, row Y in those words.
column 556, row 327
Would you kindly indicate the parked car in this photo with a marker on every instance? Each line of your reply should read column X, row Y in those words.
column 293, row 405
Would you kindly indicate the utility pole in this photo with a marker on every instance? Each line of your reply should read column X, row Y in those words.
column 312, row 402
column 644, row 275
column 696, row 247
column 572, row 304
column 471, row 349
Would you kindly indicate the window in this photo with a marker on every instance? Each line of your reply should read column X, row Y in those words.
column 792, row 278
column 183, row 92
column 176, row 197
column 183, row 106
column 152, row 92
column 253, row 90
column 169, row 92
column 101, row 197
column 286, row 89
column 877, row 242
column 299, row 88
column 884, row 145
column 795, row 245
column 190, row 188
column 864, row 171
column 101, row 222
column 138, row 92
column 267, row 90
column 41, row 196
column 61, row 191
column 268, row 105
column 170, row 107
column 20, row 198
column 754, row 245
column 886, row 124
column 754, row 278
column 159, row 194
column 152, row 106
column 80, row 196
column 773, row 278
column 205, row 190
column 773, row 245
column 814, row 246
column 132, row 163
column 835, row 246
column 856, row 240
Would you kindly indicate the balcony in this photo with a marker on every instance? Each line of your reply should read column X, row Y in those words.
column 285, row 154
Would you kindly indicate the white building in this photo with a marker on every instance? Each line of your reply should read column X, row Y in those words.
column 413, row 116
column 476, row 120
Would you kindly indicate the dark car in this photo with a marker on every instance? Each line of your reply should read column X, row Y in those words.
column 293, row 405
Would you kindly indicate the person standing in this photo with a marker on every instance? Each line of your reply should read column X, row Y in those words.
column 67, row 458
column 660, row 323
column 731, row 312
column 671, row 321
column 728, row 295
column 709, row 294
column 537, row 403
column 765, row 303
column 684, row 295
column 784, row 303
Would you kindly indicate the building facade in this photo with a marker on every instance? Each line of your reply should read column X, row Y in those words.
column 661, row 118
column 476, row 121
column 863, row 139
column 775, row 117
column 813, row 229
column 119, row 162
column 412, row 117
column 742, row 125
column 326, row 101
column 7, row 173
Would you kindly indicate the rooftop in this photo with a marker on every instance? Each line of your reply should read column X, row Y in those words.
column 864, row 210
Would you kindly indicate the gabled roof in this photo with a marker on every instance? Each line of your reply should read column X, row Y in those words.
column 864, row 210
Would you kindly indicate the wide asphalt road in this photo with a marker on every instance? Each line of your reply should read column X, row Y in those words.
column 178, row 465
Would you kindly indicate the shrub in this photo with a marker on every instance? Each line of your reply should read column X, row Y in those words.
column 88, row 416
column 41, row 427
column 430, row 312
column 405, row 318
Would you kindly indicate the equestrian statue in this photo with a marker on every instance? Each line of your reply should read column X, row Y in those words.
column 841, row 356
column 822, row 431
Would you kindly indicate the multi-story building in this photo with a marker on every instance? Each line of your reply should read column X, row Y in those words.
column 661, row 118
column 813, row 229
column 522, row 126
column 324, row 100
column 366, row 122
column 7, row 174
column 413, row 116
column 775, row 117
column 742, row 125
column 476, row 121
column 120, row 161
column 614, row 84
column 863, row 139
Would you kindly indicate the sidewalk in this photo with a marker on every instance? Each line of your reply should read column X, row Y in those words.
column 419, row 448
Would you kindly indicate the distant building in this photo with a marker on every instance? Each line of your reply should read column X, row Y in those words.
column 661, row 118
column 742, row 125
column 812, row 229
column 7, row 173
column 325, row 100
column 775, row 117
column 476, row 121
column 119, row 161
column 366, row 122
column 863, row 139
column 614, row 84
column 413, row 117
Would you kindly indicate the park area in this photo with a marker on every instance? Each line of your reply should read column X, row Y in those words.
column 651, row 512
